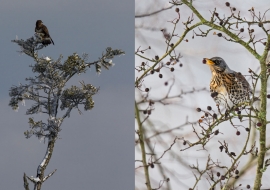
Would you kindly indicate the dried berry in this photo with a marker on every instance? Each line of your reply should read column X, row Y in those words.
column 144, row 111
column 157, row 57
column 233, row 154
column 216, row 14
column 146, row 89
column 252, row 30
column 215, row 116
column 219, row 34
column 143, row 63
column 223, row 177
column 218, row 174
column 238, row 133
column 185, row 142
column 234, row 9
column 200, row 120
column 157, row 70
column 236, row 172
column 209, row 108
column 181, row 65
column 198, row 109
column 227, row 4
column 168, row 63
column 204, row 61
column 260, row 24
column 247, row 129
column 239, row 112
column 221, row 148
column 206, row 114
column 236, row 177
column 152, row 165
column 216, row 132
column 171, row 44
column 160, row 75
column 248, row 186
column 177, row 10
column 268, row 95
column 264, row 43
column 172, row 69
column 259, row 124
column 166, row 83
column 221, row 23
column 242, row 30
column 149, row 112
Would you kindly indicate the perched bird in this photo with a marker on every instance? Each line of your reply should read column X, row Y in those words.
column 42, row 30
column 227, row 87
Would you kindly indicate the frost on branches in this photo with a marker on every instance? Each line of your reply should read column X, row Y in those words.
column 48, row 92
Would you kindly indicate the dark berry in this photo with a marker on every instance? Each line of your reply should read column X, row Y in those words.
column 181, row 65
column 252, row 30
column 216, row 14
column 248, row 186
column 209, row 108
column 204, row 61
column 215, row 116
column 166, row 83
column 223, row 177
column 216, row 132
column 143, row 63
column 177, row 10
column 160, row 75
column 218, row 174
column 234, row 9
column 214, row 94
column 221, row 148
column 260, row 24
column 238, row 133
column 149, row 112
column 156, row 57
column 259, row 124
column 198, row 109
column 168, row 63
column 157, row 70
column 152, row 165
column 264, row 43
column 268, row 95
column 144, row 111
column 242, row 30
column 247, row 129
column 219, row 34
column 236, row 177
column 185, row 142
column 152, row 71
column 172, row 69
column 147, row 90
column 206, row 114
column 236, row 109
column 239, row 112
column 171, row 44
column 221, row 23
column 227, row 4
column 233, row 154
column 236, row 172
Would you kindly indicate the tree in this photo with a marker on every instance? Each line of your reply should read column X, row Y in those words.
column 51, row 95
column 225, row 163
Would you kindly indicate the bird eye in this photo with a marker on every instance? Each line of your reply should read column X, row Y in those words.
column 217, row 62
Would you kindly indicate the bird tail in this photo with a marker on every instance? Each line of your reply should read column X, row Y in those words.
column 52, row 41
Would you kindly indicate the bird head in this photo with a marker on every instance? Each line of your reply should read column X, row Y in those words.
column 39, row 23
column 217, row 64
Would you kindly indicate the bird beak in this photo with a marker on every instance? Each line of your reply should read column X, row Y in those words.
column 209, row 61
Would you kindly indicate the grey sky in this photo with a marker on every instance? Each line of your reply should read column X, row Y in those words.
column 96, row 149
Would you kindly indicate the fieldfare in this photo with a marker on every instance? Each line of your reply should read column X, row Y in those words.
column 227, row 87
column 43, row 32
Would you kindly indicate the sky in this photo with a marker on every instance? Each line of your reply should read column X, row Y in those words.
column 96, row 148
column 192, row 75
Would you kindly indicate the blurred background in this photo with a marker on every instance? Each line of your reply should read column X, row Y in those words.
column 188, row 87
column 95, row 150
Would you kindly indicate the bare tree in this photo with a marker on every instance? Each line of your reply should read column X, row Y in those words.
column 226, row 163
column 49, row 91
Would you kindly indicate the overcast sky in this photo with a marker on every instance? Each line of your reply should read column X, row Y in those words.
column 96, row 148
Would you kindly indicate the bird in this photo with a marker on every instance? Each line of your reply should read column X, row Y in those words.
column 228, row 88
column 43, row 32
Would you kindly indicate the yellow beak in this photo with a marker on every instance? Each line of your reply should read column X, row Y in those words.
column 209, row 62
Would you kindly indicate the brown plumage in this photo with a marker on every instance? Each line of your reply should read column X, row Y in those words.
column 228, row 88
column 44, row 33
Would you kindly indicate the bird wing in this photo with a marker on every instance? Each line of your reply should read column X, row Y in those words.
column 45, row 30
